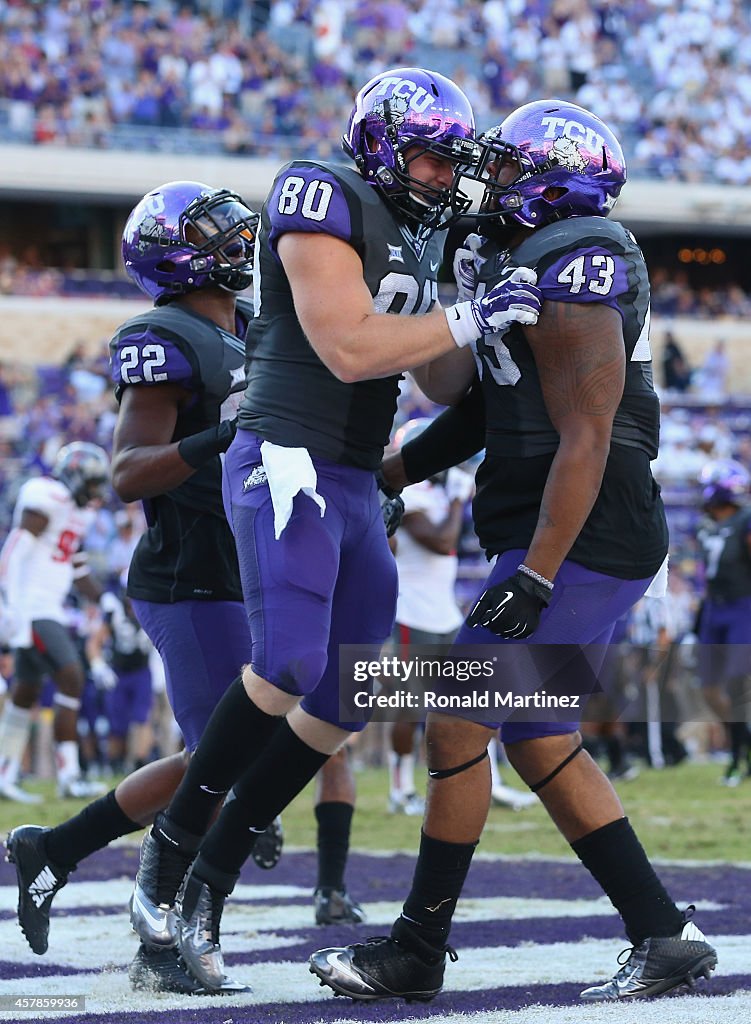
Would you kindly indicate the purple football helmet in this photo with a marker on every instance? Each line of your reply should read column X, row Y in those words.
column 725, row 482
column 403, row 108
column 184, row 236
column 550, row 144
column 84, row 468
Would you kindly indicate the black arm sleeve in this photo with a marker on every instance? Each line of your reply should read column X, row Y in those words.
column 454, row 436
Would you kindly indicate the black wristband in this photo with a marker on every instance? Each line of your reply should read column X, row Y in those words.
column 454, row 436
column 199, row 448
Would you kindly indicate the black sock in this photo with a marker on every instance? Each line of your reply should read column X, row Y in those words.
column 738, row 735
column 436, row 886
column 334, row 824
column 285, row 768
column 91, row 829
column 616, row 860
column 236, row 734
column 614, row 748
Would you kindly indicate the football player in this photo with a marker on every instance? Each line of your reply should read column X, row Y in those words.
column 40, row 562
column 178, row 375
column 724, row 632
column 567, row 503
column 345, row 289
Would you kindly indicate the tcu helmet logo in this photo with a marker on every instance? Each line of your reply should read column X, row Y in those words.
column 566, row 153
column 560, row 128
column 412, row 95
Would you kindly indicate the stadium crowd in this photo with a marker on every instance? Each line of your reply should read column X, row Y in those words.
column 276, row 78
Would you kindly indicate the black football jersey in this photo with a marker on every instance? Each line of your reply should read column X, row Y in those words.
column 727, row 562
column 187, row 552
column 582, row 259
column 129, row 644
column 292, row 398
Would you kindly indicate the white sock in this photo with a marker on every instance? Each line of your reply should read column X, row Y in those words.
column 407, row 773
column 66, row 758
column 395, row 775
column 495, row 775
column 15, row 726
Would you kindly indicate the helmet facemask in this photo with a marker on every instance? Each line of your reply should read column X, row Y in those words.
column 223, row 231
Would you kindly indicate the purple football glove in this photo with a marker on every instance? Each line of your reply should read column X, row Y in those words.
column 513, row 300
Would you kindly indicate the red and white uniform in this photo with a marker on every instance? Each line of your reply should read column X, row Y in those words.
column 37, row 576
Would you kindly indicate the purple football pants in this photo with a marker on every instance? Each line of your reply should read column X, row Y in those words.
column 326, row 581
column 130, row 701
column 724, row 641
column 204, row 645
column 583, row 611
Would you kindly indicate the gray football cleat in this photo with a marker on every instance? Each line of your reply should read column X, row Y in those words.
column 658, row 965
column 198, row 923
column 152, row 910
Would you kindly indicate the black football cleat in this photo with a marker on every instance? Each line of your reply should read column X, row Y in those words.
column 336, row 906
column 659, row 965
column 402, row 966
column 38, row 882
column 268, row 847
column 159, row 969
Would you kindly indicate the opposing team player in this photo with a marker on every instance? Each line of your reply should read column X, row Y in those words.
column 40, row 562
column 340, row 251
column 567, row 502
column 724, row 634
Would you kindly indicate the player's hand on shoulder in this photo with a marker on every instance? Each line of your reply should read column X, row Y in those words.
column 515, row 298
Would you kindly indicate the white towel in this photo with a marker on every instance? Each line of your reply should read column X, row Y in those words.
column 289, row 471
column 659, row 585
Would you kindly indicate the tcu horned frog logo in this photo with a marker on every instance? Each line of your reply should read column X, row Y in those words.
column 398, row 107
column 565, row 152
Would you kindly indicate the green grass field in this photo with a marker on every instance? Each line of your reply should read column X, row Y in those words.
column 680, row 813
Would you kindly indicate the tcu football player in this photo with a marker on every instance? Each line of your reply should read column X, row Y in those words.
column 345, row 298
column 567, row 503
column 724, row 632
column 178, row 370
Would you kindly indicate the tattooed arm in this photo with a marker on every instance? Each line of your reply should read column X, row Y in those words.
column 581, row 362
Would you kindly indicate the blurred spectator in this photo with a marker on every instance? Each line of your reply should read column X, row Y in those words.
column 673, row 80
column 713, row 375
column 676, row 373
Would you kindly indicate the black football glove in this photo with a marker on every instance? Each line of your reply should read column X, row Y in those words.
column 511, row 609
column 392, row 506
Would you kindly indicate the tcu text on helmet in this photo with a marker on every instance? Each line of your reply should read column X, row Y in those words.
column 418, row 98
column 557, row 126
